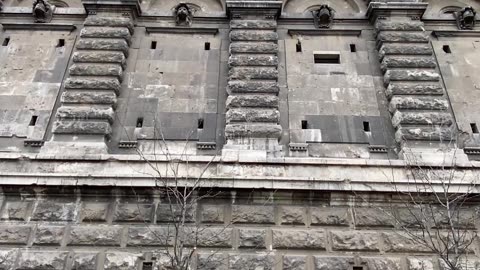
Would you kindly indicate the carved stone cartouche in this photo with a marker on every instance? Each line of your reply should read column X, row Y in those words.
column 42, row 11
column 183, row 15
column 465, row 18
column 323, row 17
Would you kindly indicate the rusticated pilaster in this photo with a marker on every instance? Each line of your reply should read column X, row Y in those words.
column 91, row 90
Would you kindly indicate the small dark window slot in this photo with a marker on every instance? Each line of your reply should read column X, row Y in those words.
column 33, row 120
column 207, row 46
column 6, row 41
column 446, row 49
column 366, row 126
column 304, row 124
column 357, row 268
column 153, row 46
column 139, row 122
column 326, row 58
column 299, row 46
column 147, row 266
column 353, row 48
column 61, row 43
column 200, row 123
column 474, row 128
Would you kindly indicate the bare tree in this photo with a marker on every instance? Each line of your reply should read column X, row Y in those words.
column 434, row 208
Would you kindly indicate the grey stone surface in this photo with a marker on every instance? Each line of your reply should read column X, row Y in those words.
column 89, row 69
column 92, row 211
column 120, row 261
column 334, row 216
column 252, row 115
column 293, row 215
column 246, row 100
column 383, row 25
column 354, row 240
column 99, row 57
column 150, row 236
column 253, row 24
column 106, row 97
column 54, row 211
column 405, row 49
column 252, row 214
column 252, row 60
column 328, row 263
column 84, row 261
column 14, row 234
column 248, row 238
column 248, row 73
column 95, row 235
column 210, row 237
column 213, row 213
column 86, row 113
column 253, row 130
column 15, row 210
column 258, row 261
column 299, row 239
column 382, row 263
column 36, row 260
column 411, row 75
column 103, row 45
column 421, row 118
column 213, row 261
column 401, row 242
column 420, row 263
column 294, row 262
column 418, row 103
column 416, row 37
column 424, row 133
column 93, row 83
column 253, row 35
column 109, row 21
column 407, row 62
column 74, row 127
column 133, row 212
column 257, row 47
column 396, row 88
column 106, row 32
column 373, row 217
column 169, row 212
column 252, row 87
column 7, row 258
column 49, row 235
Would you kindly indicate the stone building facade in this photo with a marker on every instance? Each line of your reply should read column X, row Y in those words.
column 311, row 121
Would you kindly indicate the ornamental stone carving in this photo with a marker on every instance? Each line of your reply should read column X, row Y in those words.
column 183, row 15
column 42, row 11
column 323, row 17
column 466, row 18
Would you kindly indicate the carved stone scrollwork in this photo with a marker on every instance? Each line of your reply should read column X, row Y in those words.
column 184, row 15
column 323, row 17
column 465, row 18
column 42, row 11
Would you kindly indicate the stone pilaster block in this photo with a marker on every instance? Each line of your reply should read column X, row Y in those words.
column 86, row 113
column 106, row 32
column 418, row 103
column 407, row 62
column 83, row 97
column 425, row 133
column 413, row 37
column 103, row 45
column 404, row 25
column 253, row 87
column 255, row 101
column 411, row 75
column 252, row 60
column 89, row 69
column 415, row 88
column 249, row 73
column 260, row 130
column 421, row 118
column 110, row 22
column 257, row 48
column 253, row 35
column 253, row 24
column 252, row 115
column 405, row 49
column 99, row 57
column 95, row 83
column 77, row 127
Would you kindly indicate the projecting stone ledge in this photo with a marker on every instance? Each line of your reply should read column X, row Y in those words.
column 95, row 83
column 253, row 24
column 99, row 57
column 383, row 25
column 86, row 113
column 414, row 88
column 104, row 45
column 263, row 130
column 444, row 134
column 411, row 75
column 405, row 49
column 82, row 127
column 415, row 37
column 417, row 103
column 253, row 60
column 252, row 115
column 110, row 22
column 248, row 73
column 114, row 70
column 106, row 32
column 407, row 62
column 253, row 35
column 421, row 118
column 106, row 97
column 257, row 47
column 262, row 101
column 252, row 87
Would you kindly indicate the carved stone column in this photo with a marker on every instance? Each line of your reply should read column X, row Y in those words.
column 93, row 84
column 417, row 100
column 252, row 106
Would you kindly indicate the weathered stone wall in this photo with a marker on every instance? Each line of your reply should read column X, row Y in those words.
column 122, row 228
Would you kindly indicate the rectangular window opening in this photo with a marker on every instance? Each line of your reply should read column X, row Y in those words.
column 139, row 122
column 446, row 49
column 147, row 266
column 353, row 48
column 200, row 123
column 207, row 46
column 33, row 120
column 474, row 128
column 61, row 43
column 304, row 124
column 366, row 126
column 357, row 268
column 327, row 58
column 153, row 46
column 299, row 46
column 6, row 41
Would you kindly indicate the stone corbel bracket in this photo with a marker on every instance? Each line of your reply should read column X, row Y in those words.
column 126, row 7
column 246, row 9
